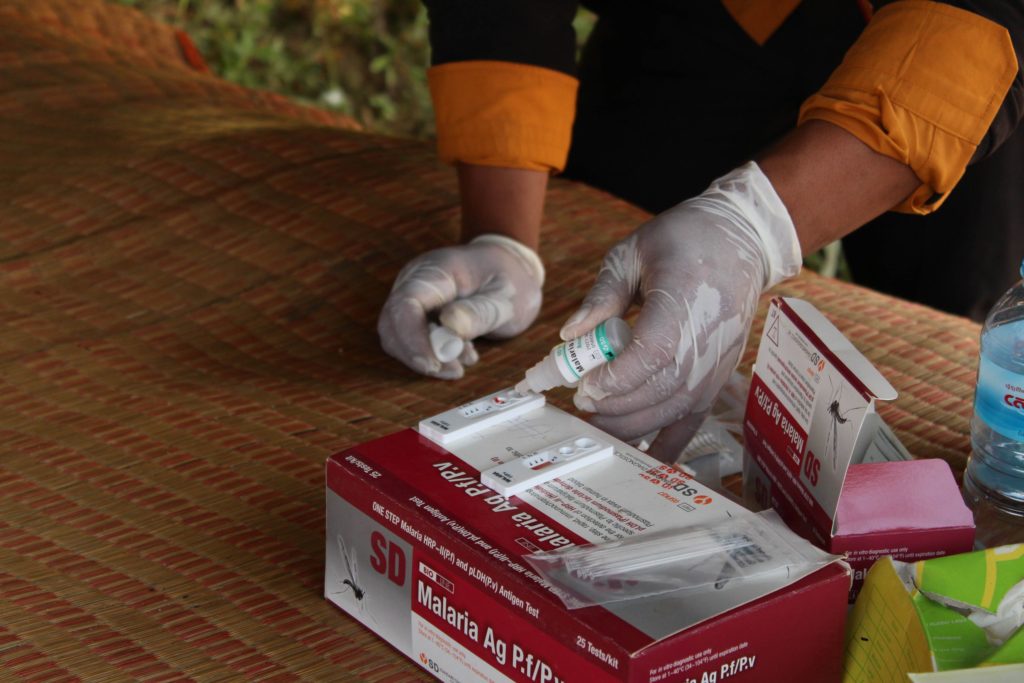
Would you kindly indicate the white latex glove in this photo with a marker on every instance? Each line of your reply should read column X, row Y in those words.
column 491, row 286
column 697, row 269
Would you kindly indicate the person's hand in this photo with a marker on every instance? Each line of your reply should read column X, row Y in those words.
column 489, row 287
column 697, row 269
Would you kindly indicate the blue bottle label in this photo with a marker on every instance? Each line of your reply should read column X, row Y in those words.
column 999, row 399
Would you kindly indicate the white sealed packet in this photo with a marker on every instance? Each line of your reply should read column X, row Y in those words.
column 710, row 557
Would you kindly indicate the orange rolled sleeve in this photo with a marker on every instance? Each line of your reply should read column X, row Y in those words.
column 495, row 113
column 921, row 85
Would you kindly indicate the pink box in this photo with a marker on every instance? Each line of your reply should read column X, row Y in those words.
column 908, row 510
column 824, row 459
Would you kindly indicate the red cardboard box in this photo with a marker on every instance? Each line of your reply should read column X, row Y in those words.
column 427, row 557
column 824, row 459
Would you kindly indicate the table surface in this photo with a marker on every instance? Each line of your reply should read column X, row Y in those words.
column 189, row 279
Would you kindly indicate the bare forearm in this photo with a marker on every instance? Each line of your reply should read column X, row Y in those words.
column 507, row 201
column 832, row 183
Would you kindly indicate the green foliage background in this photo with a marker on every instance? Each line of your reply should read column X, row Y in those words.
column 363, row 58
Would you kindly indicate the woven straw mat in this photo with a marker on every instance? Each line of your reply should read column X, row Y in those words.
column 190, row 274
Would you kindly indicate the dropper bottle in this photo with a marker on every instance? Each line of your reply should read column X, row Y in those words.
column 570, row 360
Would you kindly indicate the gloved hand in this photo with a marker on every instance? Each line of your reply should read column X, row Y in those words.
column 491, row 286
column 697, row 269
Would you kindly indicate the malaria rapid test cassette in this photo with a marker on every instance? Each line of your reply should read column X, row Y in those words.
column 475, row 416
column 526, row 470
column 546, row 464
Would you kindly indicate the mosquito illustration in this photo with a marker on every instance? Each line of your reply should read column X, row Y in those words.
column 352, row 585
column 837, row 418
column 352, row 569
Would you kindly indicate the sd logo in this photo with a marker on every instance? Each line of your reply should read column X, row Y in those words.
column 387, row 559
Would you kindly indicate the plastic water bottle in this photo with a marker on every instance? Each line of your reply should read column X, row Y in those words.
column 994, row 480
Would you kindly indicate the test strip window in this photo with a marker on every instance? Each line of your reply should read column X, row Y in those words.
column 478, row 415
column 545, row 464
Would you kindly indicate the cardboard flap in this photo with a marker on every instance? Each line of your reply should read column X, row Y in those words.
column 844, row 351
column 884, row 634
column 810, row 413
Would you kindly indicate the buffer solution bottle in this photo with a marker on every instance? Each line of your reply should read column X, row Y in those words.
column 570, row 360
column 994, row 480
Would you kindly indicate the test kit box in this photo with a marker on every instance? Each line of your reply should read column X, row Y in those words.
column 820, row 454
column 429, row 558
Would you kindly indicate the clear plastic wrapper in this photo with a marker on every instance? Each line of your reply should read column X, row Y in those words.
column 694, row 558
column 716, row 450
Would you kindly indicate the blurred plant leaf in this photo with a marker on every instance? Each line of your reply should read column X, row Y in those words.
column 363, row 58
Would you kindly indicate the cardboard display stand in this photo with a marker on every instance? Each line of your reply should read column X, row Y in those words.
column 422, row 553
